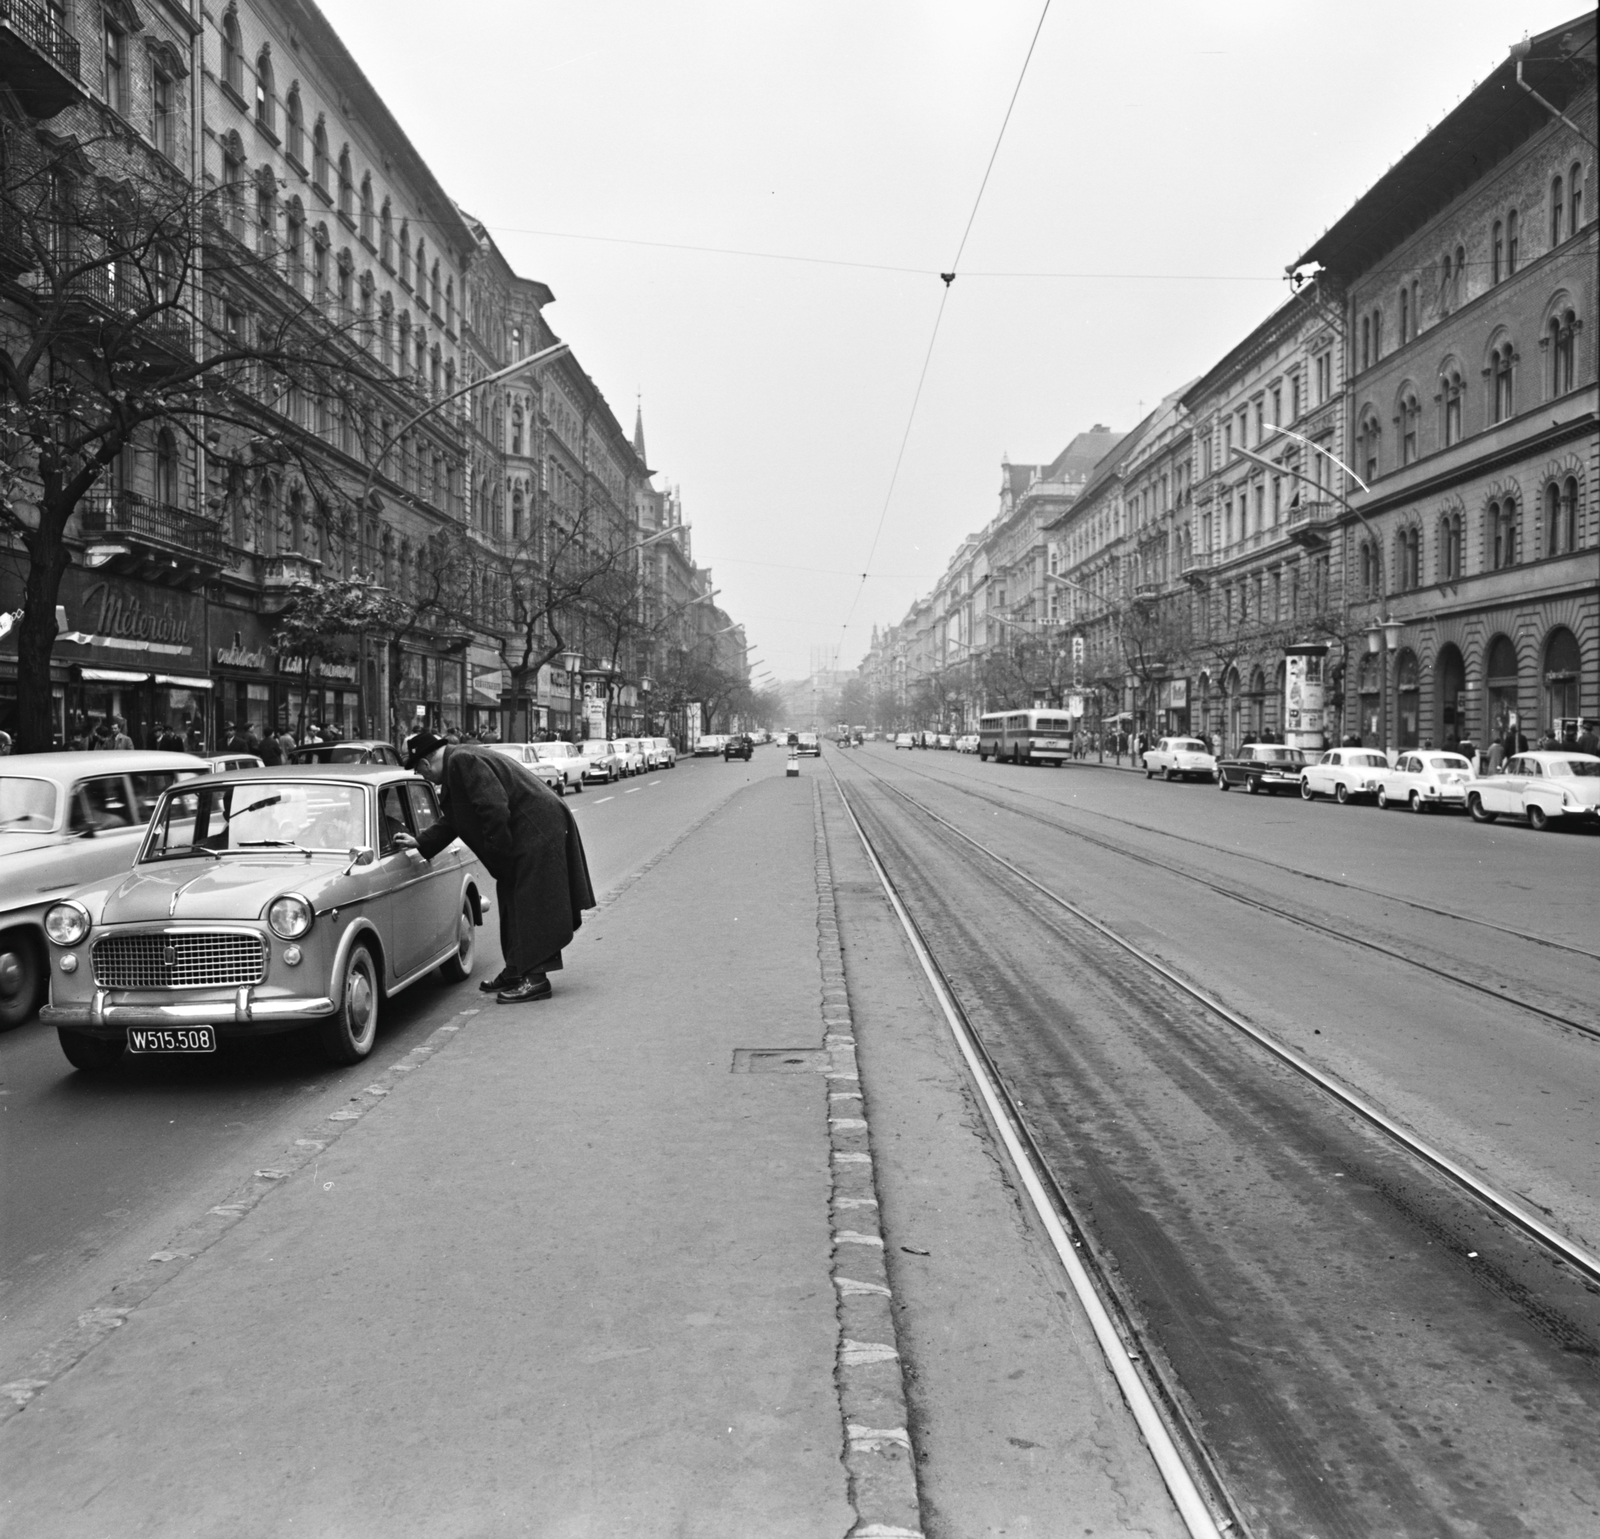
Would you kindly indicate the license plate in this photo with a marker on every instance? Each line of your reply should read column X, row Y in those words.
column 172, row 1039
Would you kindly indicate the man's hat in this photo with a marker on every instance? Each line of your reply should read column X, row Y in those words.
column 421, row 747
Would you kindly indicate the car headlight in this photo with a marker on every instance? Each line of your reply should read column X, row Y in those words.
column 66, row 923
column 289, row 916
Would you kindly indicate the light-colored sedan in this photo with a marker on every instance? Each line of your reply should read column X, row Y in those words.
column 630, row 755
column 558, row 765
column 1178, row 758
column 599, row 757
column 708, row 745
column 1423, row 778
column 66, row 819
column 967, row 743
column 904, row 740
column 666, row 754
column 263, row 901
column 1541, row 787
column 1343, row 773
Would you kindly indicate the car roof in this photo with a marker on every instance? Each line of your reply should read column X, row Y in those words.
column 363, row 774
column 102, row 761
column 344, row 742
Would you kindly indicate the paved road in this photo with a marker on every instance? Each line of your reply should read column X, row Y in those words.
column 1364, row 1351
column 99, row 1172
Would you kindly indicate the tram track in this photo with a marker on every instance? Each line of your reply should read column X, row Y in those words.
column 1020, row 1108
column 1249, row 900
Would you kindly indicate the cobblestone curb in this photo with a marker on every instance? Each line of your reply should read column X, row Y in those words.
column 867, row 1372
column 124, row 1297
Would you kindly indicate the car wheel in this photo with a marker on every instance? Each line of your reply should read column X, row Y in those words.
column 1416, row 802
column 459, row 968
column 1168, row 775
column 1306, row 793
column 91, row 1054
column 1222, row 781
column 1538, row 818
column 1383, row 799
column 1478, row 812
column 21, row 978
column 578, row 785
column 1253, row 784
column 1341, row 793
column 348, row 1034
column 1149, row 774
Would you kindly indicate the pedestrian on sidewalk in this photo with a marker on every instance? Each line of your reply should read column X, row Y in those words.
column 529, row 843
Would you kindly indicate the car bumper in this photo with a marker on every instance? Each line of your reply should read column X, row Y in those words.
column 111, row 1011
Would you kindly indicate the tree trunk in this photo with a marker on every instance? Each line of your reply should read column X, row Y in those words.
column 36, row 635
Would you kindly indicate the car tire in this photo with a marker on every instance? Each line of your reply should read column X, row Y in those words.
column 1416, row 803
column 94, row 1055
column 1149, row 774
column 1222, row 781
column 1168, row 776
column 22, row 977
column 1252, row 784
column 1538, row 818
column 1341, row 793
column 459, row 968
column 578, row 787
column 1306, row 793
column 1477, row 811
column 349, row 1033
column 1382, row 799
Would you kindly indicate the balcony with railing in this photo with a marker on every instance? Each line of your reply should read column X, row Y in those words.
column 1196, row 564
column 39, row 57
column 158, row 542
column 109, row 292
column 1311, row 523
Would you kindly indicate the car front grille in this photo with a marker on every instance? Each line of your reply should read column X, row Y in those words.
column 198, row 959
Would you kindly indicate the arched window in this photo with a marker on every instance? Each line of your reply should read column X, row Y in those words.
column 294, row 124
column 232, row 54
column 1552, row 519
column 1370, row 575
column 1563, row 666
column 405, row 252
column 294, row 242
column 266, row 110
column 1497, row 251
column 1370, row 439
column 1460, row 273
column 1405, row 315
column 347, row 186
column 516, row 429
column 1377, row 336
column 1366, row 341
column 1503, row 541
column 1408, row 559
column 1450, row 546
column 386, row 235
column 1502, row 403
column 386, row 332
column 367, row 216
column 166, row 468
column 266, row 213
column 433, row 299
column 1444, row 284
column 319, row 264
column 1450, row 390
column 1560, row 338
column 233, row 191
column 1558, row 209
column 1511, row 242
column 450, row 304
column 1575, row 196
column 319, row 155
column 422, row 270
column 1410, row 411
column 1569, row 513
column 516, row 514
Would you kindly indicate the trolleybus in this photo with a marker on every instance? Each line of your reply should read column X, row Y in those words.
column 1026, row 737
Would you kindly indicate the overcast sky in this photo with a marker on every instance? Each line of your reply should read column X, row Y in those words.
column 1169, row 158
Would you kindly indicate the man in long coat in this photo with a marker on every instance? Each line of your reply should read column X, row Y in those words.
column 529, row 843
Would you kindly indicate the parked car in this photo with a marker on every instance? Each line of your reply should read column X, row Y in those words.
column 707, row 746
column 1262, row 767
column 1180, row 758
column 809, row 745
column 221, row 763
column 967, row 743
column 738, row 747
column 558, row 765
column 630, row 755
column 666, row 754
column 944, row 740
column 904, row 740
column 1541, row 787
column 259, row 902
column 1344, row 772
column 357, row 751
column 66, row 819
column 600, row 762
column 1425, row 778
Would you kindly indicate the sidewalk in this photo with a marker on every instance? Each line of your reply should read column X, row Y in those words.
column 560, row 1273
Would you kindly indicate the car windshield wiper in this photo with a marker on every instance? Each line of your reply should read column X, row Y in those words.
column 271, row 844
column 187, row 849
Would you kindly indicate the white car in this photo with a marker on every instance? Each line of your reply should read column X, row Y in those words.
column 1423, row 779
column 904, row 740
column 599, row 757
column 666, row 754
column 1540, row 787
column 708, row 745
column 1177, row 758
column 967, row 743
column 630, row 755
column 558, row 765
column 1344, row 772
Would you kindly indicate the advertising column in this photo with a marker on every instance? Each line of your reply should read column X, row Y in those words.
column 1304, row 686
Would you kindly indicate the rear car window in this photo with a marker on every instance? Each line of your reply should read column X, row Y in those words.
column 27, row 803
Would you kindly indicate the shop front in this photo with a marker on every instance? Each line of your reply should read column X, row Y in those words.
column 329, row 697
column 430, row 691
column 1173, row 697
column 244, row 685
column 487, row 686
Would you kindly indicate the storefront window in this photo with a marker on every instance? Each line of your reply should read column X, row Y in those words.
column 1501, row 687
column 1407, row 698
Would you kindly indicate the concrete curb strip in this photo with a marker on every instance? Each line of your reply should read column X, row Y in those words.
column 872, row 1403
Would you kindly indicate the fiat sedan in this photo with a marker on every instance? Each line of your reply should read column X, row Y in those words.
column 1423, row 779
column 264, row 901
column 1343, row 773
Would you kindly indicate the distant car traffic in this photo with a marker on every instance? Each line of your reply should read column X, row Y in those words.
column 1343, row 773
column 809, row 744
column 967, row 743
column 1423, row 779
column 1262, row 767
column 66, row 819
column 630, row 755
column 708, row 745
column 1542, row 787
column 904, row 740
column 738, row 746
column 666, row 754
column 1180, row 758
column 599, row 756
column 357, row 751
column 559, row 765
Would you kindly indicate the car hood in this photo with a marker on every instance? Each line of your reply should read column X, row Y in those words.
column 23, row 844
column 232, row 889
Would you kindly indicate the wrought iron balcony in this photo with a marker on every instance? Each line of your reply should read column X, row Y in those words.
column 39, row 58
column 107, row 293
column 162, row 543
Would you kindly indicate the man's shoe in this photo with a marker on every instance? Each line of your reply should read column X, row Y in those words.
column 503, row 980
column 534, row 986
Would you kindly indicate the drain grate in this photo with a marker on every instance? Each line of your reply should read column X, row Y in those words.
column 780, row 1060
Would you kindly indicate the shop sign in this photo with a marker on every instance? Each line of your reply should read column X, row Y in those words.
column 297, row 665
column 240, row 657
column 130, row 618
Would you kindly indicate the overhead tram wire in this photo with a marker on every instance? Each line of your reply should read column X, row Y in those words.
column 947, row 278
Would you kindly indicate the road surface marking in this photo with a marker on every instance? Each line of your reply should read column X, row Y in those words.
column 655, row 782
column 632, row 789
column 605, row 799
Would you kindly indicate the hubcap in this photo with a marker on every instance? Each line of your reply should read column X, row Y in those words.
column 360, row 991
column 464, row 941
column 10, row 974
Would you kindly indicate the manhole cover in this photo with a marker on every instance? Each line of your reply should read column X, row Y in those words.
column 780, row 1060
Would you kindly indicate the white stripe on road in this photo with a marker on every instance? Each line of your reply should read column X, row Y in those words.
column 655, row 782
column 632, row 789
column 605, row 799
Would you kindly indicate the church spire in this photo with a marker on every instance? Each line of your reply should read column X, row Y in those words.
column 638, row 429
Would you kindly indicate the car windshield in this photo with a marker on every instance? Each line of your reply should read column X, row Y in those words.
column 1187, row 745
column 27, row 804
column 1448, row 761
column 549, row 752
column 258, row 815
column 1586, row 767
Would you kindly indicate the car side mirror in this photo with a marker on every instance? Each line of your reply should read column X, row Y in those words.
column 363, row 855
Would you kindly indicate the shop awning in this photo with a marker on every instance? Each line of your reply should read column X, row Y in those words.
column 182, row 680
column 111, row 676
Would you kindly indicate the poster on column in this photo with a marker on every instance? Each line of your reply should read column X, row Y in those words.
column 1303, row 696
